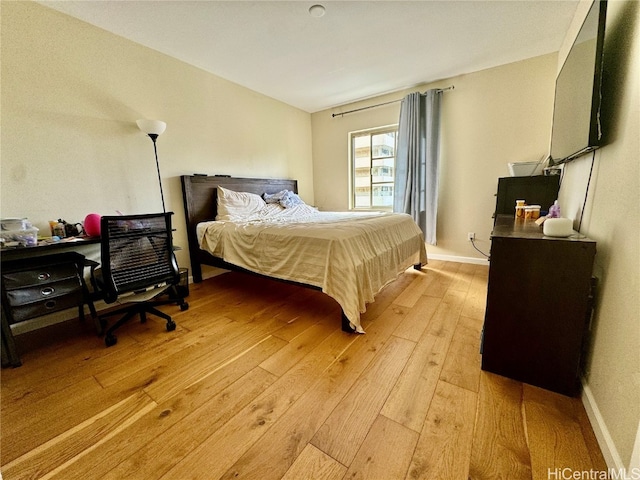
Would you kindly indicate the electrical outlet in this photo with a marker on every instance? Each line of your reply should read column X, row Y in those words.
column 471, row 236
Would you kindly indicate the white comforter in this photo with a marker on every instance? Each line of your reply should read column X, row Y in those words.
column 350, row 256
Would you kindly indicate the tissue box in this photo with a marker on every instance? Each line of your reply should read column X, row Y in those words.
column 27, row 237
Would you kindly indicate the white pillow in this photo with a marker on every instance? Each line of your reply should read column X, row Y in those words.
column 233, row 205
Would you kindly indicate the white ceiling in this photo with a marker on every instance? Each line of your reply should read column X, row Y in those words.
column 358, row 49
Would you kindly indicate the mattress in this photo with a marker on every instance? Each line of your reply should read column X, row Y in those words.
column 350, row 256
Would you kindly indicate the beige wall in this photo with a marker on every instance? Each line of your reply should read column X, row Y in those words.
column 493, row 117
column 612, row 218
column 71, row 94
column 69, row 146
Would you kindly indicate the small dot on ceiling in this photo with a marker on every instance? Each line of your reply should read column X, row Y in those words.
column 317, row 10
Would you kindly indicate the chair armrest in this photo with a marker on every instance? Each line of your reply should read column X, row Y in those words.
column 97, row 293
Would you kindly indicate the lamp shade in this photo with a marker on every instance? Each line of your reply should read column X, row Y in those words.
column 151, row 127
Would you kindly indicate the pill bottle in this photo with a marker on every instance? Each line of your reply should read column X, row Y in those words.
column 532, row 212
column 58, row 230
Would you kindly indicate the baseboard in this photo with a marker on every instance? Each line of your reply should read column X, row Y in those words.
column 454, row 258
column 608, row 448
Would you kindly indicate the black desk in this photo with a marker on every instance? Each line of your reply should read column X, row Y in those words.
column 13, row 253
column 39, row 280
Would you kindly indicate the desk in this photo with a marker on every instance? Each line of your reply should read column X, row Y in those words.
column 40, row 280
column 13, row 253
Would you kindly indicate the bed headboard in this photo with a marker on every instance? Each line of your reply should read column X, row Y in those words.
column 200, row 195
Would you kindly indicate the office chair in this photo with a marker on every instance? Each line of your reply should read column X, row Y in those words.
column 137, row 265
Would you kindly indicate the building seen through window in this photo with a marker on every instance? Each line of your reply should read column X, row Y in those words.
column 373, row 164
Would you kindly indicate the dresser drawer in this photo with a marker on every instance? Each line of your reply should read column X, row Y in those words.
column 39, row 276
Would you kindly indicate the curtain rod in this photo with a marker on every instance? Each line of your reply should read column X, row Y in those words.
column 452, row 87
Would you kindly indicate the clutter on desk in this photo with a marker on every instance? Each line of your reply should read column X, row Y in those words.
column 20, row 232
column 17, row 232
column 57, row 228
column 72, row 229
column 13, row 223
column 61, row 228
column 92, row 225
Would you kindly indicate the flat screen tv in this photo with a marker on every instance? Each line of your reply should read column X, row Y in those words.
column 576, row 113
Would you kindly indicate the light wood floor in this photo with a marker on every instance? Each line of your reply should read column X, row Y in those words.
column 258, row 381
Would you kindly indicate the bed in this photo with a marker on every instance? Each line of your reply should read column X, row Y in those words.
column 349, row 256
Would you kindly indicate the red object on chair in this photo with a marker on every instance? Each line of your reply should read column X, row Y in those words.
column 92, row 225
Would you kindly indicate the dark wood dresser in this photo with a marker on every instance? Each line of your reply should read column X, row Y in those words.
column 539, row 303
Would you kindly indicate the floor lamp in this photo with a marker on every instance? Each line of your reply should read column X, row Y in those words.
column 154, row 128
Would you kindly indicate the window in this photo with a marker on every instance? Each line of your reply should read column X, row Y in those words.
column 373, row 160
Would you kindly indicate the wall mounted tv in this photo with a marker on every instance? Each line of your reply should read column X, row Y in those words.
column 576, row 113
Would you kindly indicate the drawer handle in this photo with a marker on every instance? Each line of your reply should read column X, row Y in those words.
column 49, row 304
column 44, row 276
column 46, row 291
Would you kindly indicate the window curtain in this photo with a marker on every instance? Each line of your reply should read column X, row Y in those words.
column 417, row 158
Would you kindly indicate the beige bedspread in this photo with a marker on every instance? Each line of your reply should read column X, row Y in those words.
column 350, row 256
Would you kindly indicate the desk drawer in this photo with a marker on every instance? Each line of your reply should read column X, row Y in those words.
column 39, row 276
column 36, row 283
column 46, row 291
column 43, row 299
column 44, row 307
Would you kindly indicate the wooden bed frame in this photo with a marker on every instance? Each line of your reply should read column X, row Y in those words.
column 200, row 194
column 200, row 197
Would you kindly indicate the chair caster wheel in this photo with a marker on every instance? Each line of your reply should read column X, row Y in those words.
column 184, row 306
column 110, row 340
column 171, row 326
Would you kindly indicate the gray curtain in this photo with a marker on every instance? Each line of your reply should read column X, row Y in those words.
column 417, row 158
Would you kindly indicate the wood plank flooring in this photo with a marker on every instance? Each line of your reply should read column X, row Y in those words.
column 259, row 382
